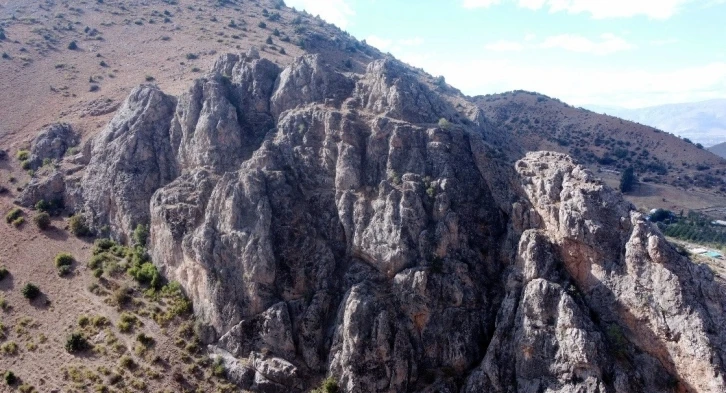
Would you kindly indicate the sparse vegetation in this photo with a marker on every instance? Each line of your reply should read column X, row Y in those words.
column 10, row 378
column 30, row 291
column 329, row 385
column 76, row 343
column 444, row 124
column 13, row 215
column 64, row 259
column 73, row 45
column 42, row 220
column 23, row 155
column 127, row 362
column 77, row 226
column 9, row 348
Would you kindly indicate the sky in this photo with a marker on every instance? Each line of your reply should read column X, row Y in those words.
column 625, row 53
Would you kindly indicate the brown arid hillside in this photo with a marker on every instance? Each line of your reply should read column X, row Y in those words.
column 253, row 200
column 121, row 44
column 544, row 123
column 674, row 173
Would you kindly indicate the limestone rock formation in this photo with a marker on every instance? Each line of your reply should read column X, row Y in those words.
column 327, row 223
column 130, row 159
column 52, row 143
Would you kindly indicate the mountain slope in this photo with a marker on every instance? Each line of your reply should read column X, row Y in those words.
column 719, row 150
column 542, row 123
column 703, row 122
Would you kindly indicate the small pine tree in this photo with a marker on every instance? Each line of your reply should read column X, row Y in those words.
column 627, row 180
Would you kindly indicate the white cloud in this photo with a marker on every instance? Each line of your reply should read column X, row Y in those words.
column 609, row 43
column 337, row 12
column 600, row 9
column 378, row 42
column 599, row 85
column 480, row 3
column 504, row 46
column 387, row 45
column 411, row 41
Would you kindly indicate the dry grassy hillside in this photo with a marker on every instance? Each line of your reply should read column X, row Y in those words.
column 121, row 44
column 674, row 173
column 598, row 140
column 135, row 341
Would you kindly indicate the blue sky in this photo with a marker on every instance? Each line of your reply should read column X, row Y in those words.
column 630, row 53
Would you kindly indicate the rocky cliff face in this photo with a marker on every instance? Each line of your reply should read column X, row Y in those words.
column 327, row 223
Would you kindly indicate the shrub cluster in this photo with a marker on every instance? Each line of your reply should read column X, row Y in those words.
column 42, row 220
column 77, row 226
column 30, row 291
column 63, row 263
column 76, row 343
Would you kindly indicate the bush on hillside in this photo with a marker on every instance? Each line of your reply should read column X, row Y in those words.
column 77, row 226
column 42, row 220
column 30, row 291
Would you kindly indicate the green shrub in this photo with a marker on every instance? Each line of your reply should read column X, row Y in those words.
column 9, row 348
column 192, row 56
column 10, row 378
column 121, row 296
column 3, row 272
column 218, row 369
column 30, row 291
column 25, row 388
column 42, row 206
column 73, row 45
column 102, row 245
column 145, row 274
column 127, row 362
column 18, row 222
column 42, row 220
column 64, row 259
column 627, row 180
column 22, row 155
column 13, row 215
column 145, row 340
column 76, row 343
column 77, row 226
column 445, row 124
column 141, row 235
column 329, row 385
column 64, row 271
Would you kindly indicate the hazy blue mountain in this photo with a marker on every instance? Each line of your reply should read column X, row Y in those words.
column 719, row 150
column 702, row 122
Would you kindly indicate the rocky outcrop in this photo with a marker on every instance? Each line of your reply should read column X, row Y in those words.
column 130, row 159
column 326, row 223
column 52, row 143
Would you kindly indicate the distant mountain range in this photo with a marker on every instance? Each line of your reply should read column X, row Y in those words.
column 702, row 122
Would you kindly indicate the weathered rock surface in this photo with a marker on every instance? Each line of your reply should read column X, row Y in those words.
column 52, row 143
column 326, row 223
column 130, row 159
